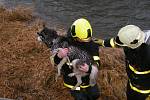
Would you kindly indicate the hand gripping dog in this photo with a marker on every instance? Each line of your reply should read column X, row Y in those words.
column 77, row 63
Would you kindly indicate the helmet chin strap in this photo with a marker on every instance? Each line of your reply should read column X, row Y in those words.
column 82, row 40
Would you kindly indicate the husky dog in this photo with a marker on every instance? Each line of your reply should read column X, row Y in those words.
column 56, row 42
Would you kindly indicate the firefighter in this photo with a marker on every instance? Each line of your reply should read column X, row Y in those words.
column 136, row 46
column 80, row 35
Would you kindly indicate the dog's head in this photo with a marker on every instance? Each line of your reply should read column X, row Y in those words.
column 47, row 36
column 77, row 63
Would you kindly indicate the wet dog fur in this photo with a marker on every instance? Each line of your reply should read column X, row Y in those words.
column 56, row 42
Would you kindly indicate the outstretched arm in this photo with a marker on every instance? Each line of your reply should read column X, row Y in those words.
column 110, row 42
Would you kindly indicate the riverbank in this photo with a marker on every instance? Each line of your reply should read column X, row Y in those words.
column 25, row 69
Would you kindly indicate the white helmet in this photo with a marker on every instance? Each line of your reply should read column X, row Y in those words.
column 130, row 36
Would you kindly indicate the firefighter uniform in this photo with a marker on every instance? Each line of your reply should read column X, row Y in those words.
column 85, row 91
column 137, row 68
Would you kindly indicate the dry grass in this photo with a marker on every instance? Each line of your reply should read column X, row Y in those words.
column 25, row 68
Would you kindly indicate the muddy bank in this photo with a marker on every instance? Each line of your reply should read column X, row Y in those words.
column 26, row 71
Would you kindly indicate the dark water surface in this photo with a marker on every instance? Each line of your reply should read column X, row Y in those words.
column 106, row 16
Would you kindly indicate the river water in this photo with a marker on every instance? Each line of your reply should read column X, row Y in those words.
column 106, row 16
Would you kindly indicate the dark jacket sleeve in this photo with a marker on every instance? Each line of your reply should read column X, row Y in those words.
column 110, row 42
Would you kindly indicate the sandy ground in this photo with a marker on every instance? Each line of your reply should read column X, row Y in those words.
column 25, row 68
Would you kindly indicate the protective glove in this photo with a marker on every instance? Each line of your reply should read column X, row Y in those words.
column 99, row 41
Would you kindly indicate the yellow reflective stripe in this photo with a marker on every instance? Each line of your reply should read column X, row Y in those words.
column 112, row 42
column 96, row 58
column 85, row 86
column 138, row 90
column 137, row 72
column 70, row 86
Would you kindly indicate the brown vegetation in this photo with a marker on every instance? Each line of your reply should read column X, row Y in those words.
column 25, row 69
